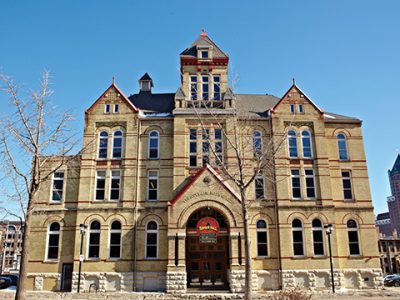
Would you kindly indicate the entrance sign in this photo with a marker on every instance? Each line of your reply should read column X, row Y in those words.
column 207, row 228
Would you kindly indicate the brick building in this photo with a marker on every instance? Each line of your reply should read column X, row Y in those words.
column 10, row 246
column 159, row 216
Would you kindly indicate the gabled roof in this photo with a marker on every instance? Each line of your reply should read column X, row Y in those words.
column 204, row 40
column 145, row 77
column 123, row 97
column 294, row 86
column 180, row 94
column 396, row 166
column 196, row 177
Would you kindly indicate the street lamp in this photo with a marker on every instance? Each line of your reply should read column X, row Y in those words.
column 329, row 231
column 82, row 229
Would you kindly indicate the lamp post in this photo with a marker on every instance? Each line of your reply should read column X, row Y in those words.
column 329, row 231
column 82, row 229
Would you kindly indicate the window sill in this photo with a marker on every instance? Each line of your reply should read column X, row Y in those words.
column 151, row 258
column 153, row 158
column 355, row 256
column 52, row 202
column 299, row 257
column 152, row 200
column 344, row 160
column 114, row 259
column 93, row 259
column 320, row 257
column 50, row 261
column 262, row 257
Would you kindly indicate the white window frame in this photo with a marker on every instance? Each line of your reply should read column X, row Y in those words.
column 289, row 137
column 157, row 137
column 344, row 140
column 267, row 237
column 292, row 109
column 49, row 232
column 90, row 230
column 205, row 140
column 219, row 151
column 113, row 143
column 311, row 144
column 112, row 176
column 215, row 84
column 193, row 95
column 116, row 108
column 302, row 239
column 312, row 176
column 323, row 237
column 53, row 189
column 152, row 177
column 203, row 84
column 157, row 242
column 105, row 187
column 291, row 183
column 194, row 141
column 301, row 109
column 115, row 231
column 99, row 148
column 107, row 108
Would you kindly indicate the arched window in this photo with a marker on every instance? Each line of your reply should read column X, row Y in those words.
column 306, row 143
column 352, row 231
column 342, row 146
column 297, row 235
column 103, row 144
column 11, row 229
column 117, row 144
column 94, row 240
column 115, row 240
column 318, row 237
column 53, row 240
column 292, row 141
column 257, row 143
column 151, row 240
column 153, row 144
column 262, row 238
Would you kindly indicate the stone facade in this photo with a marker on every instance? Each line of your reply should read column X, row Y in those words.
column 146, row 181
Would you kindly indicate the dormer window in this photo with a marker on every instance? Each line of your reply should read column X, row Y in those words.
column 204, row 53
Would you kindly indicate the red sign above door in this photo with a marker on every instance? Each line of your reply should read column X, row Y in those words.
column 207, row 225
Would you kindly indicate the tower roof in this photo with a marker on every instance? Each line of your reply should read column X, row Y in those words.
column 396, row 166
column 204, row 41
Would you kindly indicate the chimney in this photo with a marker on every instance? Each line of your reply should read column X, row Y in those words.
column 145, row 83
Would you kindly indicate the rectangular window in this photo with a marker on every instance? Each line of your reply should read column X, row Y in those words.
column 204, row 54
column 94, row 244
column 193, row 87
column 298, row 249
column 151, row 244
column 217, row 87
column 347, row 191
column 58, row 186
column 310, row 183
column 262, row 245
column 301, row 108
column 192, row 147
column 115, row 185
column 296, row 187
column 259, row 184
column 318, row 242
column 218, row 146
column 116, row 108
column 152, row 185
column 292, row 109
column 100, row 185
column 52, row 249
column 205, row 146
column 205, row 87
column 353, row 242
column 107, row 108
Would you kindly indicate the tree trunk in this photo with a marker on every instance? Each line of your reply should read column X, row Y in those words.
column 248, row 289
column 22, row 280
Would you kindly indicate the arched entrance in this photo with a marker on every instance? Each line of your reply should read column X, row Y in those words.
column 207, row 250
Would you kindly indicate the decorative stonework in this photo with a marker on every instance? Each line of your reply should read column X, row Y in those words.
column 176, row 282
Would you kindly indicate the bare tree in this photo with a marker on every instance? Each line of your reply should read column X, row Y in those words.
column 251, row 157
column 35, row 142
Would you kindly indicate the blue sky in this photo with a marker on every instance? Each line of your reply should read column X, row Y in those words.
column 343, row 54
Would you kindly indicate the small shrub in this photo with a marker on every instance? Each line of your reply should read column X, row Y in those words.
column 292, row 294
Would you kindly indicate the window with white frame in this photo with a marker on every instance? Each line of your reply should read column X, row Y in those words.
column 103, row 144
column 301, row 109
column 107, row 108
column 58, row 186
column 205, row 87
column 310, row 183
column 117, row 144
column 296, row 186
column 342, row 146
column 306, row 143
column 297, row 235
column 193, row 87
column 352, row 231
column 192, row 147
column 116, row 108
column 217, row 87
column 292, row 141
column 218, row 146
column 204, row 53
column 153, row 144
column 257, row 143
column 318, row 237
column 100, row 185
column 151, row 240
column 115, row 186
column 152, row 185
column 292, row 109
column 53, row 241
column 262, row 238
column 115, row 240
column 205, row 146
column 94, row 240
column 259, row 185
column 347, row 189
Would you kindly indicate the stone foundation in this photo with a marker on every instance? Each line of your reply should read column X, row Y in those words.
column 176, row 282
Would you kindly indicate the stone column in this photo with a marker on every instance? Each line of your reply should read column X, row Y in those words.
column 234, row 240
column 181, row 249
column 176, row 274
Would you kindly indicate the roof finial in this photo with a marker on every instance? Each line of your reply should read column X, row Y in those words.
column 203, row 32
column 294, row 81
column 113, row 79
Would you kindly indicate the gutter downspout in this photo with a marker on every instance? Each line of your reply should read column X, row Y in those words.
column 136, row 205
